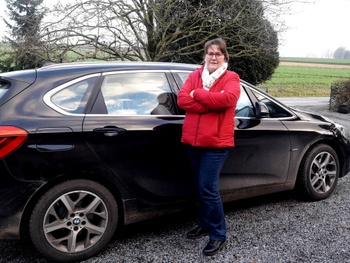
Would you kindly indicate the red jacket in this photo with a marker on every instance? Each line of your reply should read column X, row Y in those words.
column 209, row 120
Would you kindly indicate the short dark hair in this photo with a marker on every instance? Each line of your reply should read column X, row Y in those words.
column 217, row 42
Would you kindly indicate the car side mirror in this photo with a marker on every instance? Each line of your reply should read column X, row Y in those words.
column 261, row 110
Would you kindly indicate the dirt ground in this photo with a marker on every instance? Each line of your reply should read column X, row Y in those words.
column 303, row 64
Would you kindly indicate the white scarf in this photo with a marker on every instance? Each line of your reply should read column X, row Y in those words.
column 209, row 79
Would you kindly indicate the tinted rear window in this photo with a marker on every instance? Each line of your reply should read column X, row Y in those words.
column 4, row 87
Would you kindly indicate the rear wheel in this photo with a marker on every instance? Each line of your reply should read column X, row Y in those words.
column 73, row 221
column 319, row 172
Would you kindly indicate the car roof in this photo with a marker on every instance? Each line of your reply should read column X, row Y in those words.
column 118, row 65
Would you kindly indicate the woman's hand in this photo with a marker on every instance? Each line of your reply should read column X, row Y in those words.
column 191, row 93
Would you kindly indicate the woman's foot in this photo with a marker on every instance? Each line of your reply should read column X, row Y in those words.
column 213, row 247
column 197, row 233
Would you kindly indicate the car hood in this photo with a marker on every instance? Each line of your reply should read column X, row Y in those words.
column 323, row 121
column 309, row 116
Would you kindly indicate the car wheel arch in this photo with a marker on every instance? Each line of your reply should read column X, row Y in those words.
column 337, row 148
column 73, row 220
column 303, row 184
column 31, row 203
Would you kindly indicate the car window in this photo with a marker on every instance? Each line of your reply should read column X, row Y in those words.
column 4, row 86
column 183, row 76
column 244, row 105
column 275, row 110
column 180, row 77
column 138, row 93
column 73, row 98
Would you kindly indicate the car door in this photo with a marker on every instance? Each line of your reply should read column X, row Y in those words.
column 261, row 155
column 135, row 129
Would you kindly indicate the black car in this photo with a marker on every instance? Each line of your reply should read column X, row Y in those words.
column 87, row 147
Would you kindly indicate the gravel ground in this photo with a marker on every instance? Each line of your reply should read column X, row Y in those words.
column 274, row 228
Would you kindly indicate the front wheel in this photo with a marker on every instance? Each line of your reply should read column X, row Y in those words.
column 73, row 221
column 319, row 172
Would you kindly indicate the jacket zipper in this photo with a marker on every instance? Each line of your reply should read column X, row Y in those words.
column 195, row 139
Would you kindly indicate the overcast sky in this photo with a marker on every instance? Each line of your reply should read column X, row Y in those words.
column 315, row 29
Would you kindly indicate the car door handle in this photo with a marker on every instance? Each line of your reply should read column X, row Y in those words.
column 110, row 131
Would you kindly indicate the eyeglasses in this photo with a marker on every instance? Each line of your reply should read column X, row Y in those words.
column 217, row 55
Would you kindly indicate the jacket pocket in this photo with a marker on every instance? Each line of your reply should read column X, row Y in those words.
column 208, row 131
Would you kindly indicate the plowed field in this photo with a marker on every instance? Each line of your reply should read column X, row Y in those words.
column 318, row 65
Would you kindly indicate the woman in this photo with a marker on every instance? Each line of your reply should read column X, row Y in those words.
column 209, row 97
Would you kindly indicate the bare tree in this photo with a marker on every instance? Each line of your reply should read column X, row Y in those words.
column 116, row 24
column 167, row 30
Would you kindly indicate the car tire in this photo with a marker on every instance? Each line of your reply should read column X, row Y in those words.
column 73, row 220
column 319, row 172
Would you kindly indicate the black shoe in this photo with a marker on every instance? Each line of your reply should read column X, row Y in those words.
column 197, row 233
column 213, row 247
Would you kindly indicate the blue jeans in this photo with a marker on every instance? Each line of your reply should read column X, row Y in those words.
column 206, row 166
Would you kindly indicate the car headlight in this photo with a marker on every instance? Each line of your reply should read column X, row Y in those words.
column 341, row 129
column 338, row 127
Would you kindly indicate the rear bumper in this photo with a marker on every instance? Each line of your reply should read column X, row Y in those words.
column 9, row 227
column 14, row 195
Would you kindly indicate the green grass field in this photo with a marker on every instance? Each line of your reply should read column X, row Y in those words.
column 307, row 80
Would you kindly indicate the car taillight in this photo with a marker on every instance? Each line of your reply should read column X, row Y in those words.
column 10, row 139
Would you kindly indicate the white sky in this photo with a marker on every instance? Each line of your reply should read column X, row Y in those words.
column 317, row 29
column 314, row 29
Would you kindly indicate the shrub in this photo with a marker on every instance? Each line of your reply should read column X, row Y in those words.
column 340, row 95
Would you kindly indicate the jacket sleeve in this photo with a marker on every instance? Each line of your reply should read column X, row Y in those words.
column 225, row 98
column 184, row 99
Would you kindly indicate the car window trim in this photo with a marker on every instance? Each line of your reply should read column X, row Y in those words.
column 249, row 89
column 47, row 96
column 135, row 71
